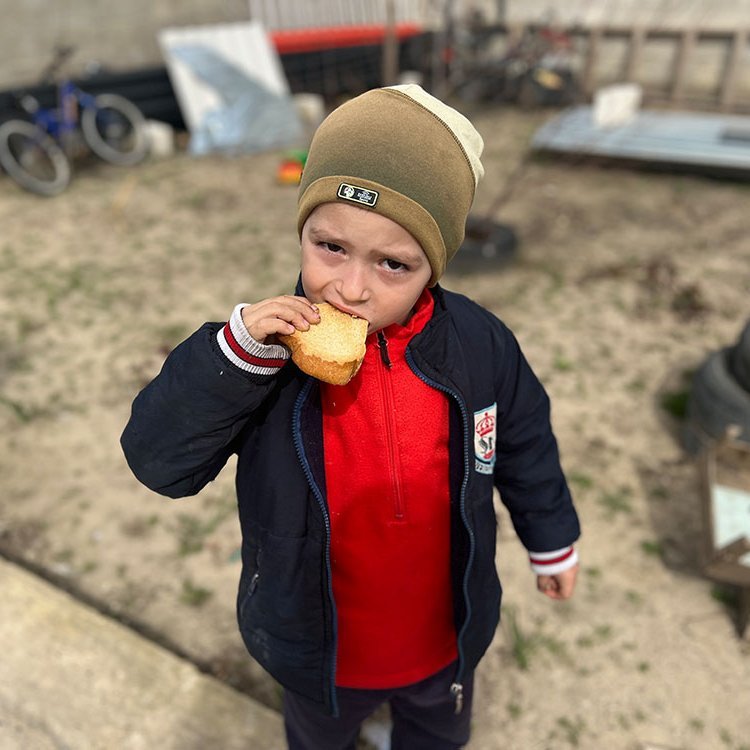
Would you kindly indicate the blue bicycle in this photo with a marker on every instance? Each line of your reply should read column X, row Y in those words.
column 36, row 151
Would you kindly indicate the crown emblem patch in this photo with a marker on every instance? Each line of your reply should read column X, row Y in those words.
column 357, row 194
column 485, row 423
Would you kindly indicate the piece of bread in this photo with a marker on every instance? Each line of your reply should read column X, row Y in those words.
column 331, row 350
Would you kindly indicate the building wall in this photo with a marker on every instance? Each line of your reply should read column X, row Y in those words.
column 121, row 34
column 118, row 33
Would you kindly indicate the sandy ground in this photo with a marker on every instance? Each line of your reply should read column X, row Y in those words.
column 624, row 281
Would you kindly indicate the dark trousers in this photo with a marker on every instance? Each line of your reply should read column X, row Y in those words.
column 424, row 716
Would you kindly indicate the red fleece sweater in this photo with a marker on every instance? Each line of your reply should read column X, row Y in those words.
column 386, row 446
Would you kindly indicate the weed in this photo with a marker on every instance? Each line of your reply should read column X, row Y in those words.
column 572, row 729
column 521, row 644
column 192, row 595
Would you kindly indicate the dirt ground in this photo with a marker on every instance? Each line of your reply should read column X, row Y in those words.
column 624, row 281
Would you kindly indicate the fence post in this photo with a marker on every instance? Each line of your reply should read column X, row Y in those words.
column 685, row 47
column 729, row 77
column 588, row 82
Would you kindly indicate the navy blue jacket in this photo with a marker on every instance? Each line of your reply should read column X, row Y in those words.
column 201, row 409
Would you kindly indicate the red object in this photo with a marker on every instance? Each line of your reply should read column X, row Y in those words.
column 332, row 37
column 385, row 437
column 289, row 173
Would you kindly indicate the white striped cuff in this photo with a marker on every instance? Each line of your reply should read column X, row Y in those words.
column 243, row 351
column 551, row 563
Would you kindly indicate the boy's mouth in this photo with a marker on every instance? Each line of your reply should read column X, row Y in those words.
column 345, row 310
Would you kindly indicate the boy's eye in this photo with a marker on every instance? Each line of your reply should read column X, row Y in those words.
column 331, row 247
column 394, row 265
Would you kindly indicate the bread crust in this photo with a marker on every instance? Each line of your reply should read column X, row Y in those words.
column 331, row 350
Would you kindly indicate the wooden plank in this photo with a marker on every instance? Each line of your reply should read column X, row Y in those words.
column 635, row 50
column 588, row 81
column 729, row 78
column 685, row 48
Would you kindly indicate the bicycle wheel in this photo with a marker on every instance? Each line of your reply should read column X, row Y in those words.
column 114, row 130
column 32, row 158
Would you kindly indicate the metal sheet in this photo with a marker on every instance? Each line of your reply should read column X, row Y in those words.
column 687, row 138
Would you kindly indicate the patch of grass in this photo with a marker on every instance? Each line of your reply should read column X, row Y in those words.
column 524, row 645
column 521, row 645
column 514, row 710
column 22, row 412
column 634, row 597
column 562, row 363
column 616, row 502
column 660, row 492
column 139, row 526
column 638, row 385
column 194, row 596
column 572, row 729
column 675, row 403
column 580, row 480
column 652, row 548
column 600, row 634
column 192, row 531
column 697, row 725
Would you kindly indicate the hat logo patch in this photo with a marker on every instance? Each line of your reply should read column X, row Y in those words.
column 357, row 194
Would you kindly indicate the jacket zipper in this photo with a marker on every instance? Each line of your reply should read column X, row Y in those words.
column 386, row 389
column 297, row 436
column 457, row 688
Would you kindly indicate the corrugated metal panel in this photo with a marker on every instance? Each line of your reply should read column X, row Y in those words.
column 292, row 14
column 244, row 45
column 695, row 139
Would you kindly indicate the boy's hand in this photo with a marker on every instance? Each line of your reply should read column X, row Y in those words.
column 279, row 315
column 560, row 585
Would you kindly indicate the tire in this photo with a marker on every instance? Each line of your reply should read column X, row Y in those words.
column 739, row 359
column 33, row 159
column 114, row 129
column 716, row 402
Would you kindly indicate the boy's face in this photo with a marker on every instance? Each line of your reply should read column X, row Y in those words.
column 363, row 263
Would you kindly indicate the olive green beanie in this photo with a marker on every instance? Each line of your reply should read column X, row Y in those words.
column 403, row 153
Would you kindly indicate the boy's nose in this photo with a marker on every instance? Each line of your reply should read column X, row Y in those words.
column 353, row 286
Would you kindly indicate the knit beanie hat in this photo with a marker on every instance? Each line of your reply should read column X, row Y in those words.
column 403, row 153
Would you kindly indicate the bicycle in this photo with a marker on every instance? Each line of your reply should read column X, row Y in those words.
column 36, row 151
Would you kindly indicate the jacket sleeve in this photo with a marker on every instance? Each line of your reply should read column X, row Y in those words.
column 183, row 424
column 528, row 473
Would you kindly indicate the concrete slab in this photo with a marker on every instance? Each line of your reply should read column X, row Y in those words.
column 72, row 678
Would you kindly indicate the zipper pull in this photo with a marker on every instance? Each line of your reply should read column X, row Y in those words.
column 253, row 583
column 383, row 346
column 457, row 691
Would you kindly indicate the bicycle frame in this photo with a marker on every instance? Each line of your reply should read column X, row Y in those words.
column 64, row 118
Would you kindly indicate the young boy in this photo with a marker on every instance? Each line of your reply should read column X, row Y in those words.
column 366, row 509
